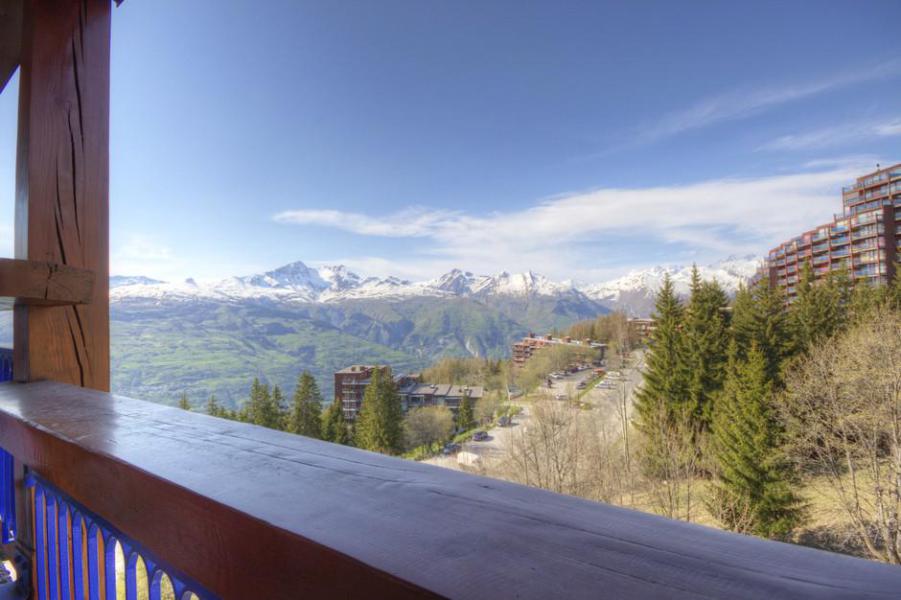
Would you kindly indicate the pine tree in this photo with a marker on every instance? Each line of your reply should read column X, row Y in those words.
column 705, row 340
column 465, row 417
column 818, row 310
column 379, row 424
column 758, row 317
column 664, row 393
column 212, row 407
column 305, row 417
column 753, row 490
column 277, row 411
column 334, row 426
column 263, row 407
column 183, row 402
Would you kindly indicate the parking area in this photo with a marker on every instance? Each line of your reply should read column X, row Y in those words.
column 606, row 397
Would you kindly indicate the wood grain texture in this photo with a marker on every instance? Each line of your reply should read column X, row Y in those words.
column 62, row 185
column 10, row 39
column 44, row 284
column 254, row 513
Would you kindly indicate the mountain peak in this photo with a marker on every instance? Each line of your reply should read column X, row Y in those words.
column 339, row 277
column 123, row 280
column 297, row 282
column 295, row 275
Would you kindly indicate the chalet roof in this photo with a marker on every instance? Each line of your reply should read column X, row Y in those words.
column 475, row 391
column 357, row 369
column 443, row 390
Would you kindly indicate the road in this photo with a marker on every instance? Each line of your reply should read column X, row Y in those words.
column 606, row 400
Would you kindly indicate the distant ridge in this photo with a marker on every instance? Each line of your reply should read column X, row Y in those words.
column 298, row 283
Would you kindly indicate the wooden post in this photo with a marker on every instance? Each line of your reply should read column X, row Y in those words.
column 62, row 185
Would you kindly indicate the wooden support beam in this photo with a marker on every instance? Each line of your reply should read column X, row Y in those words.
column 44, row 284
column 10, row 38
column 62, row 185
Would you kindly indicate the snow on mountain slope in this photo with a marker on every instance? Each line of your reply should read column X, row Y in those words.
column 635, row 291
column 120, row 280
column 296, row 282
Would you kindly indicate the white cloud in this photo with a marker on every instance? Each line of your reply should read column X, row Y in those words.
column 411, row 222
column 145, row 255
column 574, row 235
column 889, row 129
column 743, row 103
column 836, row 135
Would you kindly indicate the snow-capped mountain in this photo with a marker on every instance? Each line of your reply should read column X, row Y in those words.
column 299, row 283
column 120, row 280
column 296, row 282
column 634, row 292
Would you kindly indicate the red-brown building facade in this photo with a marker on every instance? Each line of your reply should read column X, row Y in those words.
column 863, row 240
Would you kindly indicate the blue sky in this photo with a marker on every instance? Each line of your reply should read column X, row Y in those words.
column 578, row 139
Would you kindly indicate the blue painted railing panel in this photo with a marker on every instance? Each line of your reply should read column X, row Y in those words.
column 39, row 536
column 61, row 543
column 6, row 364
column 7, row 497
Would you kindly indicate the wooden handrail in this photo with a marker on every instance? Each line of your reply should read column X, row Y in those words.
column 255, row 513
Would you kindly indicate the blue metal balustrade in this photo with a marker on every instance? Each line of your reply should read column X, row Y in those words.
column 6, row 364
column 75, row 553
column 7, row 498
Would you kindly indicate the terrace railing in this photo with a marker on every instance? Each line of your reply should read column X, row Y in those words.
column 6, row 364
column 231, row 510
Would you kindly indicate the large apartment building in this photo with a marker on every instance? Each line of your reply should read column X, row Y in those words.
column 527, row 346
column 864, row 240
column 350, row 385
column 351, row 382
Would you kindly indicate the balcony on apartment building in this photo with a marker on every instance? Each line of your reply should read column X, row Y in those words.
column 863, row 219
column 867, row 232
column 221, row 509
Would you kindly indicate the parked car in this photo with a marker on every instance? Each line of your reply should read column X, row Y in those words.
column 582, row 385
column 451, row 449
column 504, row 421
column 559, row 397
column 480, row 436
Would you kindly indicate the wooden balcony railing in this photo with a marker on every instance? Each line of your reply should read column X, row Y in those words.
column 247, row 513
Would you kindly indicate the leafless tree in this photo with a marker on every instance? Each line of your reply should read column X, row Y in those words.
column 427, row 425
column 842, row 410
column 676, row 464
column 568, row 450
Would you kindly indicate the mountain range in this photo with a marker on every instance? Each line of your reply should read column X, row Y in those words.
column 298, row 283
column 204, row 338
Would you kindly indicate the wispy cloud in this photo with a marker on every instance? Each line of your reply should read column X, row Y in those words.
column 744, row 103
column 141, row 254
column 571, row 236
column 410, row 222
column 835, row 135
column 151, row 255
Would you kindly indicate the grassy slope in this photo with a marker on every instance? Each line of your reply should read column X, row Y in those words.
column 163, row 350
